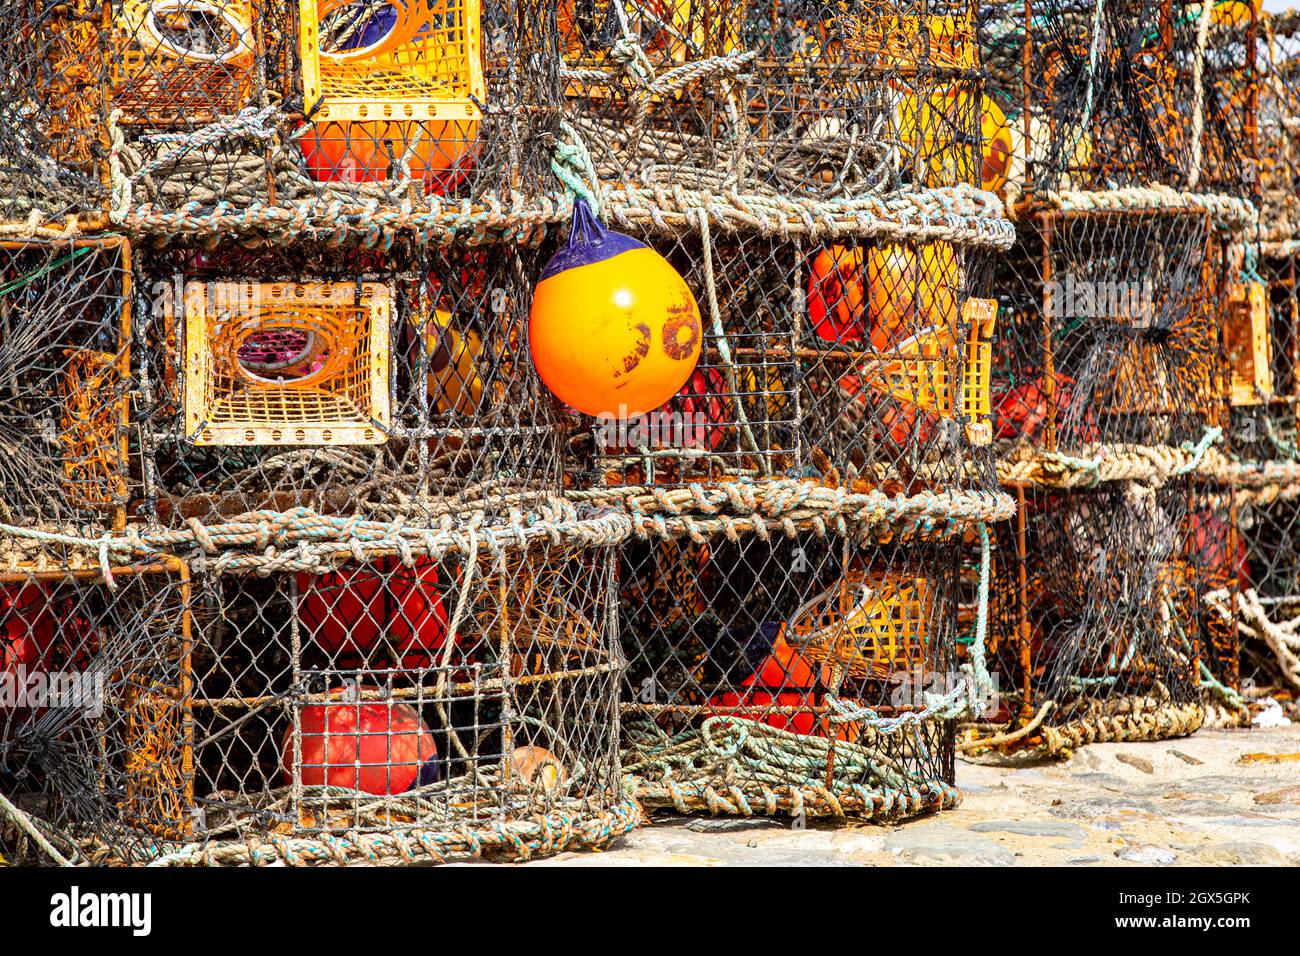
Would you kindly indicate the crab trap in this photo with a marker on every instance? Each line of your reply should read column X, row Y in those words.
column 791, row 673
column 423, row 706
column 1094, row 618
column 96, row 728
column 93, row 84
column 172, row 109
column 65, row 346
column 863, row 362
column 815, row 101
column 1110, row 334
column 397, row 382
column 366, row 695
column 1279, row 104
column 1124, row 93
column 1261, row 601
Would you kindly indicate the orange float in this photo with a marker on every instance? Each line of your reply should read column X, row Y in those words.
column 347, row 613
column 378, row 747
column 614, row 330
column 909, row 290
column 900, row 291
column 27, row 631
column 1023, row 411
column 784, row 679
column 368, row 152
column 995, row 135
column 837, row 294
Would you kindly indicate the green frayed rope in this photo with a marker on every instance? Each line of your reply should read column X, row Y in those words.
column 572, row 165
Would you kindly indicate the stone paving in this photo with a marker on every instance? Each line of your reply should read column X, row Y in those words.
column 1195, row 801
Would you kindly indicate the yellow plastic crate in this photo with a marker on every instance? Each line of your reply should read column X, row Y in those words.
column 287, row 363
column 918, row 373
column 427, row 66
column 1250, row 352
column 182, row 61
column 867, row 625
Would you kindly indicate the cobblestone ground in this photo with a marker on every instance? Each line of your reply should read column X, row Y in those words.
column 1207, row 799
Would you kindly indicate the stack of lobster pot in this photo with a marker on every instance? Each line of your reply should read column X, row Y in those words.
column 789, row 603
column 1258, row 595
column 283, row 523
column 1130, row 127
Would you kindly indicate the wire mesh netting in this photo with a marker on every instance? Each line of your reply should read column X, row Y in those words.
column 1094, row 617
column 425, row 709
column 1266, row 608
column 462, row 705
column 352, row 384
column 1095, row 96
column 164, row 112
column 65, row 329
column 1110, row 332
column 789, row 674
column 96, row 736
column 865, row 362
column 1279, row 100
column 1127, row 328
column 391, row 383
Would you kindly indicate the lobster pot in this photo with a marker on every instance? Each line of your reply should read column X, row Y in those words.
column 1279, row 104
column 1265, row 608
column 96, row 737
column 1260, row 337
column 1110, row 332
column 271, row 103
column 1093, row 610
column 1126, row 93
column 856, row 361
column 819, row 103
column 156, row 73
column 430, row 707
column 763, row 671
column 65, row 325
column 384, row 382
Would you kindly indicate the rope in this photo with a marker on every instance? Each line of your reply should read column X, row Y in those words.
column 737, row 766
column 24, row 823
column 1101, row 464
column 572, row 165
column 547, row 834
column 1198, row 92
column 1001, row 740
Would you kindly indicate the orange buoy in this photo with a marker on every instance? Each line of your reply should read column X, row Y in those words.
column 995, row 134
column 909, row 290
column 837, row 294
column 1023, row 411
column 346, row 613
column 784, row 679
column 537, row 768
column 369, row 151
column 379, row 747
column 614, row 330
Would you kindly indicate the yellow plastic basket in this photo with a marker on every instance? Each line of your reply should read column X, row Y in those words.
column 182, row 61
column 1246, row 334
column 426, row 66
column 867, row 625
column 919, row 371
column 287, row 363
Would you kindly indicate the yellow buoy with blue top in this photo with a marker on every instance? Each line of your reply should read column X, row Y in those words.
column 614, row 330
